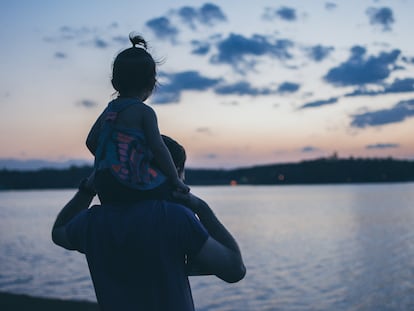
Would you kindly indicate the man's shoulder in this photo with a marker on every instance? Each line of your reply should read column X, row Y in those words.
column 178, row 209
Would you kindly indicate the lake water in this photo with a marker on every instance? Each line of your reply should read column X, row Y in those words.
column 324, row 247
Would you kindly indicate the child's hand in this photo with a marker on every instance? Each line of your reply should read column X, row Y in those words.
column 181, row 186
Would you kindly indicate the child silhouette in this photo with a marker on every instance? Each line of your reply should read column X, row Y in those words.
column 131, row 159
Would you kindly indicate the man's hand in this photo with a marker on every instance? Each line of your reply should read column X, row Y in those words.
column 78, row 203
column 220, row 254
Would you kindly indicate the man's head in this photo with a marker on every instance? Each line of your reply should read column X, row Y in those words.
column 177, row 153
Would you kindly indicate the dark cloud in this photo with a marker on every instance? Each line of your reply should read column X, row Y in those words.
column 382, row 146
column 401, row 111
column 162, row 28
column 319, row 103
column 242, row 88
column 285, row 13
column 308, row 149
column 330, row 6
column 318, row 52
column 234, row 49
column 288, row 87
column 170, row 92
column 381, row 16
column 245, row 88
column 60, row 55
column 87, row 103
column 188, row 15
column 408, row 60
column 209, row 14
column 359, row 69
column 200, row 48
column 100, row 43
column 398, row 86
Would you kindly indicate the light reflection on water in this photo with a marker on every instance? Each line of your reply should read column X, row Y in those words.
column 342, row 247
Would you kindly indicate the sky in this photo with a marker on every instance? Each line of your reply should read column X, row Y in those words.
column 240, row 83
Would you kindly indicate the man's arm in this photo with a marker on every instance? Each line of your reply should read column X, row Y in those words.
column 78, row 203
column 220, row 254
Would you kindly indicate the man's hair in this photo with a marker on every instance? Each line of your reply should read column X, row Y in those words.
column 177, row 152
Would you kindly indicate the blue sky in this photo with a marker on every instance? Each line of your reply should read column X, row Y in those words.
column 240, row 83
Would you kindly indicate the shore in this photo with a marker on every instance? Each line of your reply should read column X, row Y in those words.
column 16, row 302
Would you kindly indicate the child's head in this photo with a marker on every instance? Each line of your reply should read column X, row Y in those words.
column 134, row 72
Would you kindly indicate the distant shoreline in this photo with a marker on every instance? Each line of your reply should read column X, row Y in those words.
column 17, row 302
column 320, row 171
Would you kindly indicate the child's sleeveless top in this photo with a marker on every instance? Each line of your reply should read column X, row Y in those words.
column 125, row 152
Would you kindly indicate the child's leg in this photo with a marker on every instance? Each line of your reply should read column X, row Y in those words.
column 110, row 190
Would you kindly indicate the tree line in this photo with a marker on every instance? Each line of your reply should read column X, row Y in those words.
column 319, row 171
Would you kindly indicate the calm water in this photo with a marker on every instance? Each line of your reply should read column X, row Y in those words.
column 342, row 247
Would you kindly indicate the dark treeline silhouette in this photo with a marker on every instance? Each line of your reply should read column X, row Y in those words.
column 320, row 171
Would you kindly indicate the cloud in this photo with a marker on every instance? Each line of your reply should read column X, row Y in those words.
column 318, row 52
column 87, row 103
column 381, row 16
column 203, row 130
column 382, row 146
column 100, row 43
column 401, row 111
column 359, row 69
column 284, row 13
column 170, row 92
column 210, row 156
column 188, row 15
column 162, row 28
column 235, row 49
column 209, row 14
column 288, row 87
column 60, row 55
column 398, row 86
column 86, row 37
column 245, row 88
column 200, row 48
column 330, row 6
column 242, row 88
column 67, row 33
column 319, row 103
column 408, row 60
column 308, row 149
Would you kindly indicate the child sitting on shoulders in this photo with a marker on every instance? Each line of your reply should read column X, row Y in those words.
column 131, row 160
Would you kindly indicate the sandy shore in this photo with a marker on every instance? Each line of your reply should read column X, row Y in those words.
column 14, row 302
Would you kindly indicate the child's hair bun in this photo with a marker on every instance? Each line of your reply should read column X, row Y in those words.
column 137, row 39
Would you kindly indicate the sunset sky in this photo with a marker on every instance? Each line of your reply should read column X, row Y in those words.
column 241, row 82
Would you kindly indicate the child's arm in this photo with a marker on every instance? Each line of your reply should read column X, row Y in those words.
column 93, row 136
column 162, row 156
